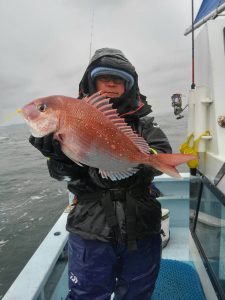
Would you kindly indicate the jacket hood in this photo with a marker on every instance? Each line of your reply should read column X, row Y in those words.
column 132, row 104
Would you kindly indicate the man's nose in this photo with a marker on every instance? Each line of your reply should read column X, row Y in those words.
column 111, row 82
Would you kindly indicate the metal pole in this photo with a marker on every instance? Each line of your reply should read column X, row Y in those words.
column 193, row 49
column 194, row 170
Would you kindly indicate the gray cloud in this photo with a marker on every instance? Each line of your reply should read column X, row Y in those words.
column 45, row 46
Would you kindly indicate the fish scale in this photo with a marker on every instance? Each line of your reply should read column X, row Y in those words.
column 92, row 133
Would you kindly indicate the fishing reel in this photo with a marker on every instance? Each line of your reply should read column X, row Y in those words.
column 177, row 105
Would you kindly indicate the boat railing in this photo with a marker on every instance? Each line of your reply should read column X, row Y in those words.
column 30, row 284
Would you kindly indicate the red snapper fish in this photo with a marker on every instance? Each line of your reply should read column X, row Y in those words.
column 91, row 133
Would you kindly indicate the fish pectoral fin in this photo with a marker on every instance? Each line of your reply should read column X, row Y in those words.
column 67, row 153
column 74, row 160
column 117, row 175
column 70, row 154
column 59, row 137
column 77, row 162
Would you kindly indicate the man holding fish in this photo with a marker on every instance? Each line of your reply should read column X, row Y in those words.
column 109, row 151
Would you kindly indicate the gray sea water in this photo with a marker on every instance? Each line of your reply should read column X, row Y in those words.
column 31, row 201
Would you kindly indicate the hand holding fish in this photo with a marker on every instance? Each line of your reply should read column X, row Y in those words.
column 91, row 133
column 49, row 147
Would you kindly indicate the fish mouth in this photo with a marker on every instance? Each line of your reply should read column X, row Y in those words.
column 30, row 112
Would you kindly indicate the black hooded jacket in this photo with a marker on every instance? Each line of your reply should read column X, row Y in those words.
column 104, row 204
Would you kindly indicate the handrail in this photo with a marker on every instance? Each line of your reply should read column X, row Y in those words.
column 165, row 177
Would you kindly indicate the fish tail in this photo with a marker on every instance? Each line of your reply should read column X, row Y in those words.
column 167, row 163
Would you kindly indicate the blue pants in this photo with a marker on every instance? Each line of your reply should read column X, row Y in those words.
column 97, row 269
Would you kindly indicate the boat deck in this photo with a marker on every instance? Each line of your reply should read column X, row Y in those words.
column 178, row 246
column 48, row 265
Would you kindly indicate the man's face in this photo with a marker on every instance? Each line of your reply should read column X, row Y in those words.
column 113, row 86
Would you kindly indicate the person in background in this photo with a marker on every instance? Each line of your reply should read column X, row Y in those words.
column 114, row 242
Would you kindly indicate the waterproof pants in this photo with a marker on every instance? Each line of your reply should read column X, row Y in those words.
column 97, row 269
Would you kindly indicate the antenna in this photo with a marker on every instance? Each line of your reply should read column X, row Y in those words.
column 92, row 29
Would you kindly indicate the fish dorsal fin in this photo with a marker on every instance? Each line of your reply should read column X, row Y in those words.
column 101, row 102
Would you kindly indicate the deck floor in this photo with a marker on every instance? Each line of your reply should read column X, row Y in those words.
column 178, row 246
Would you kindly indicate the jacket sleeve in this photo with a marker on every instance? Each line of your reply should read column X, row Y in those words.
column 65, row 171
column 154, row 136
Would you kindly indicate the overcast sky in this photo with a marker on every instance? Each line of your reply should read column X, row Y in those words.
column 45, row 46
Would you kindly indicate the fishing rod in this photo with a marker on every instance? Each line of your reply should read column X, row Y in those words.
column 91, row 37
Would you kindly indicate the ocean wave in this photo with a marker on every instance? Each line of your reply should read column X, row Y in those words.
column 4, row 138
column 37, row 197
column 3, row 242
column 23, row 215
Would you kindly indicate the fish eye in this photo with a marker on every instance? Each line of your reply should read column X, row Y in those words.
column 42, row 107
